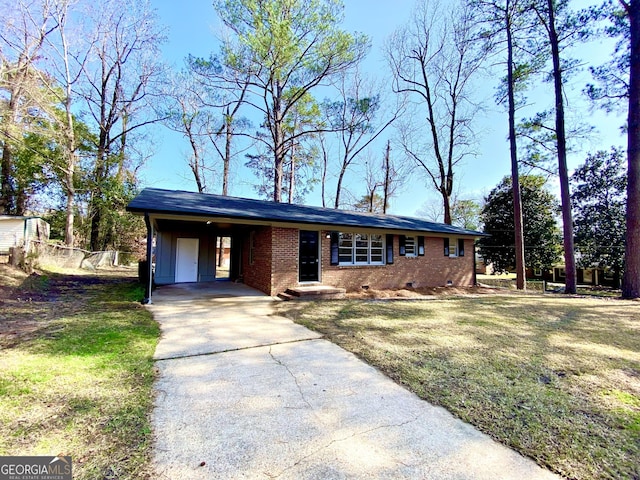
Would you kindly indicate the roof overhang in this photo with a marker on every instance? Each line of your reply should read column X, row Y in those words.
column 166, row 208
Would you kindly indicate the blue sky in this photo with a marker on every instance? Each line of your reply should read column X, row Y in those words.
column 191, row 30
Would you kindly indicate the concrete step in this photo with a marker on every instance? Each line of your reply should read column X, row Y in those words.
column 285, row 296
column 316, row 292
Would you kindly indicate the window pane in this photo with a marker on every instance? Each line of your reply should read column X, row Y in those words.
column 410, row 246
column 345, row 248
column 362, row 240
column 345, row 255
column 361, row 249
column 346, row 239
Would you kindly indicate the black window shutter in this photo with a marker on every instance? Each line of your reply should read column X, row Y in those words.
column 389, row 249
column 446, row 247
column 421, row 246
column 461, row 247
column 403, row 248
column 335, row 259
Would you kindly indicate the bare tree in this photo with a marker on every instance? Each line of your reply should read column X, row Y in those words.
column 355, row 119
column 223, row 90
column 26, row 25
column 119, row 85
column 384, row 176
column 69, row 52
column 371, row 201
column 433, row 61
column 187, row 114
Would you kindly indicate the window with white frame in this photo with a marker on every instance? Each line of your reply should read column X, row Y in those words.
column 450, row 247
column 360, row 249
column 410, row 247
column 454, row 247
column 345, row 248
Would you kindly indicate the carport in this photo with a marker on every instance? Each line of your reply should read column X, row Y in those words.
column 277, row 247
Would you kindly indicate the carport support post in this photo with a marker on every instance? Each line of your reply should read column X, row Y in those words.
column 149, row 285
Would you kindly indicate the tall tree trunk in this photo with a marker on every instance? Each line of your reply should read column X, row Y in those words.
column 68, row 183
column 515, row 176
column 7, row 186
column 70, row 214
column 7, row 191
column 278, row 144
column 195, row 168
column 278, row 171
column 292, row 172
column 325, row 165
column 195, row 164
column 372, row 196
column 227, row 153
column 387, row 177
column 343, row 170
column 95, row 203
column 96, row 220
column 69, row 170
column 631, row 279
column 565, row 195
column 21, row 201
column 446, row 207
column 123, row 148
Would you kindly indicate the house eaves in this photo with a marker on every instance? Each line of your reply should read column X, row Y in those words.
column 176, row 204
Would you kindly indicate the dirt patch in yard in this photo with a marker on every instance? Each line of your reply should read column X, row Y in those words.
column 28, row 302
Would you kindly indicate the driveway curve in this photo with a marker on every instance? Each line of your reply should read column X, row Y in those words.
column 244, row 394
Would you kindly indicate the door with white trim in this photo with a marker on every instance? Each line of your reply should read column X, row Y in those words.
column 187, row 260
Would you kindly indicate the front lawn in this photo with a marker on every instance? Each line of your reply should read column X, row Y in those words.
column 76, row 371
column 556, row 378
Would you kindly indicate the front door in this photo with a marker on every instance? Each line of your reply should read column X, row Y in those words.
column 187, row 260
column 309, row 256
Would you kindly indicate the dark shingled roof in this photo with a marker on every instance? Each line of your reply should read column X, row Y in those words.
column 171, row 202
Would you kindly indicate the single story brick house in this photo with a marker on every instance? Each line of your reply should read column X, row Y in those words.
column 277, row 246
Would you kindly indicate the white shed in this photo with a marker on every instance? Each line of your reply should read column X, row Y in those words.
column 19, row 231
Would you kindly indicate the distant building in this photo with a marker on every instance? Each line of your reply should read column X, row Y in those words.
column 21, row 231
column 592, row 276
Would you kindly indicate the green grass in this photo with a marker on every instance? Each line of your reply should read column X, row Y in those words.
column 78, row 380
column 555, row 378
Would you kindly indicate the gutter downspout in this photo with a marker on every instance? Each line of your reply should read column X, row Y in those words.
column 149, row 285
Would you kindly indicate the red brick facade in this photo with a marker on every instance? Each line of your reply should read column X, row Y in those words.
column 276, row 257
column 257, row 259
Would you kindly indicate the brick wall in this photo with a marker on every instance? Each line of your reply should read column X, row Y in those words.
column 431, row 270
column 286, row 245
column 258, row 273
column 276, row 257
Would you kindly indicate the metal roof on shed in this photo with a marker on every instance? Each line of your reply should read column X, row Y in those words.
column 175, row 202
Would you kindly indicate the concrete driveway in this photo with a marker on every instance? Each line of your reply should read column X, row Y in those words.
column 244, row 394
